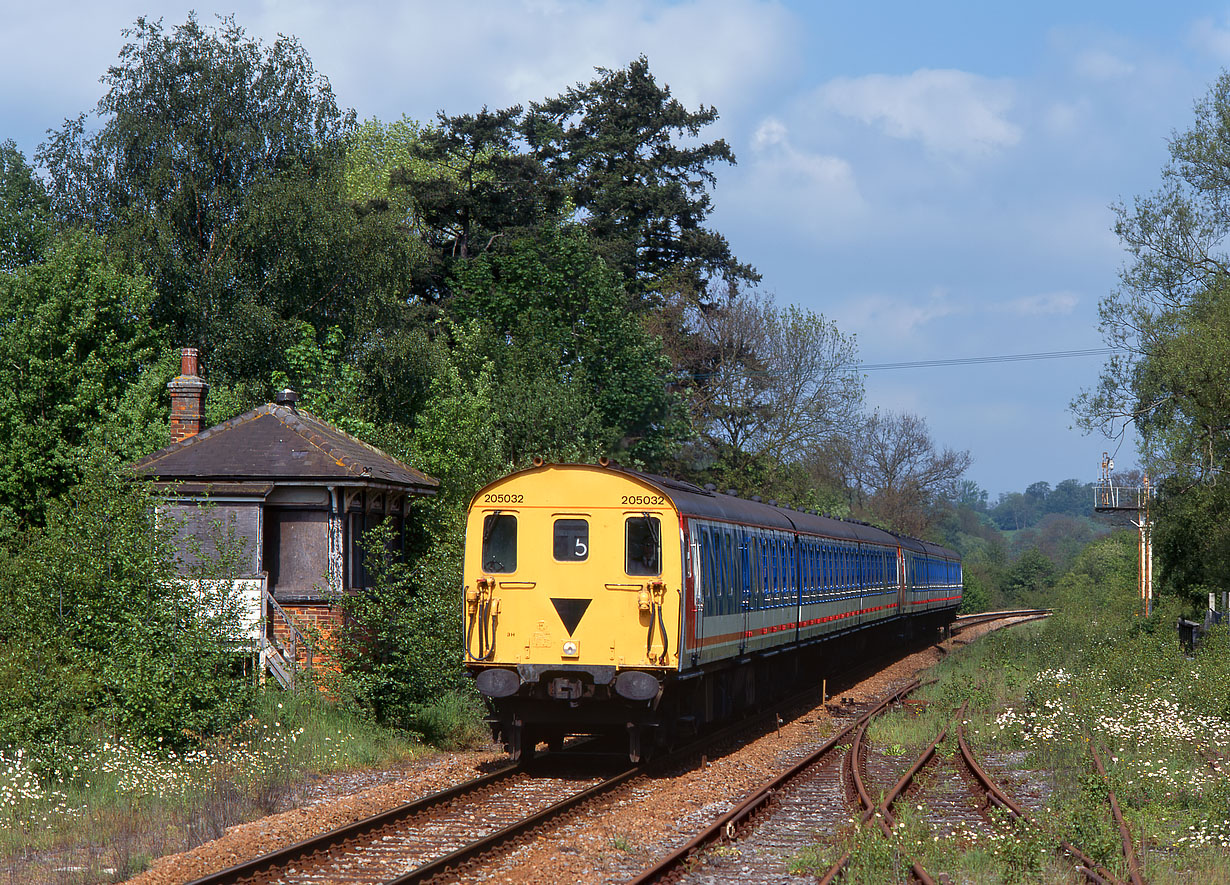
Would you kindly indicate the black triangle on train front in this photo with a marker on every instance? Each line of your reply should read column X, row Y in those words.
column 570, row 611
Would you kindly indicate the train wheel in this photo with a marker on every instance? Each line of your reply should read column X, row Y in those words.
column 634, row 743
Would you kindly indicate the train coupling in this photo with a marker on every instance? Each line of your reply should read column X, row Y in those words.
column 566, row 688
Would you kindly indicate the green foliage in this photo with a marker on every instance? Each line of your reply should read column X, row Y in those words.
column 374, row 152
column 571, row 351
column 96, row 634
column 144, row 800
column 458, row 439
column 230, row 194
column 975, row 597
column 26, row 225
column 80, row 370
column 401, row 642
column 468, row 186
column 629, row 157
column 328, row 385
column 1017, row 510
column 1031, row 575
column 1191, row 539
column 1169, row 322
column 1097, row 669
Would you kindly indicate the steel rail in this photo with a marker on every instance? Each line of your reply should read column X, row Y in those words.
column 963, row 621
column 467, row 854
column 882, row 811
column 728, row 825
column 1005, row 613
column 1125, row 835
column 1092, row 870
column 323, row 842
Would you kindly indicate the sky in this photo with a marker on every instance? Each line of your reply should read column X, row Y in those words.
column 937, row 178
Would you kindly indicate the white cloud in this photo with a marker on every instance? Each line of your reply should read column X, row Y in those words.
column 1044, row 304
column 434, row 55
column 1062, row 117
column 950, row 112
column 893, row 317
column 1098, row 64
column 793, row 187
column 1211, row 38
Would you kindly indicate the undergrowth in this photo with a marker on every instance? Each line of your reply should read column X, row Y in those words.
column 102, row 811
column 1096, row 673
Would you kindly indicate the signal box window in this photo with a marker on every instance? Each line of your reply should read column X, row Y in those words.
column 571, row 540
column 644, row 545
column 499, row 543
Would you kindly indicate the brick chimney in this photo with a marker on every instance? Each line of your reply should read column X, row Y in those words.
column 187, row 398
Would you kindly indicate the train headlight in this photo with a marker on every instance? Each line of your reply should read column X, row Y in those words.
column 570, row 648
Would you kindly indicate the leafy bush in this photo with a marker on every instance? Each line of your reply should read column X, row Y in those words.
column 98, row 636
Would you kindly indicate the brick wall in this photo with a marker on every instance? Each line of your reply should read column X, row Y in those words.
column 316, row 621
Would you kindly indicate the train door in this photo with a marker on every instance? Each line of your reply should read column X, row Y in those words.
column 745, row 582
column 694, row 596
column 901, row 582
column 796, row 557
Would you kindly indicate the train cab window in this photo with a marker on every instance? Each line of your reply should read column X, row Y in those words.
column 499, row 542
column 643, row 545
column 571, row 540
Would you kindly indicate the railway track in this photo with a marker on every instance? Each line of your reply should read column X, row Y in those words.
column 463, row 827
column 419, row 840
column 446, row 833
column 964, row 622
column 817, row 796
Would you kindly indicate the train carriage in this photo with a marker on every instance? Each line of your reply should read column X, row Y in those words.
column 599, row 598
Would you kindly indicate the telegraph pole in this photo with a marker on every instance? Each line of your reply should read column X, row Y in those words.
column 1110, row 498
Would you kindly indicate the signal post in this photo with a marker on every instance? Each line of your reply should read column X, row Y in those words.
column 1110, row 498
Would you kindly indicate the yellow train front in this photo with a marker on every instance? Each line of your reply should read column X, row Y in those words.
column 602, row 600
column 572, row 595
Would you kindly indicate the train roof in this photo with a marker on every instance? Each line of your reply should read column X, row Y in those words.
column 709, row 504
column 692, row 500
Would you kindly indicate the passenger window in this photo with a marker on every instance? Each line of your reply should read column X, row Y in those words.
column 500, row 543
column 571, row 540
column 643, row 545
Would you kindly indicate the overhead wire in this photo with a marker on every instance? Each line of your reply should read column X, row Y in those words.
column 995, row 358
column 953, row 361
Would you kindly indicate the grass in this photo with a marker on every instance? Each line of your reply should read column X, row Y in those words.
column 1037, row 695
column 115, row 805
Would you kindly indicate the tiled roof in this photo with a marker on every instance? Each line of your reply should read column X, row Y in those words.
column 278, row 442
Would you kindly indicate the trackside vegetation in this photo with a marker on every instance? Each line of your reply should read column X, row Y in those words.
column 467, row 293
column 1038, row 694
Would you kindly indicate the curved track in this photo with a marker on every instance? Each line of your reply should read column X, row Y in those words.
column 454, row 829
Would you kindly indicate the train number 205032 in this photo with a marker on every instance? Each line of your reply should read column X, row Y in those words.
column 645, row 500
column 503, row 499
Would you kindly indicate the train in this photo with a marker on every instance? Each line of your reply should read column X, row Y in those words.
column 603, row 600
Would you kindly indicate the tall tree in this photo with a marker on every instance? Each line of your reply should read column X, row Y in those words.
column 770, row 382
column 900, row 476
column 25, row 211
column 1169, row 320
column 80, row 371
column 638, row 175
column 468, row 185
column 216, row 168
column 579, row 375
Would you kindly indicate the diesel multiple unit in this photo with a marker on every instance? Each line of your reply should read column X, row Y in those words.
column 600, row 599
